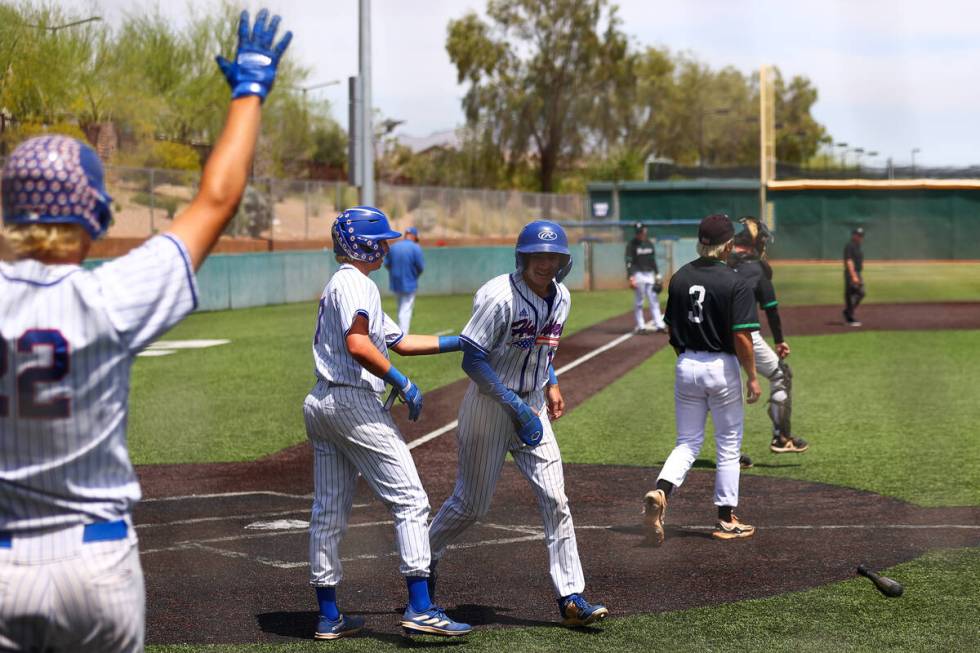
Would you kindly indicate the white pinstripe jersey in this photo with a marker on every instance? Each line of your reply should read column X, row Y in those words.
column 69, row 336
column 517, row 330
column 350, row 293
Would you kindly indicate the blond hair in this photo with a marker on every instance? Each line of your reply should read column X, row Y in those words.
column 714, row 251
column 50, row 241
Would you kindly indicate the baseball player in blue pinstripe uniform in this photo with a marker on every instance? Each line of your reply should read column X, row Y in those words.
column 508, row 346
column 352, row 432
column 70, row 576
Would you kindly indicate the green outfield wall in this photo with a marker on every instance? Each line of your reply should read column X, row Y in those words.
column 910, row 219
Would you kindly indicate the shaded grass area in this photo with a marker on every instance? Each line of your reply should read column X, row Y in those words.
column 892, row 413
column 939, row 612
column 243, row 400
column 885, row 282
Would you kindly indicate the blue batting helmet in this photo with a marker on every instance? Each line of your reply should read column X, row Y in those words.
column 56, row 179
column 356, row 233
column 544, row 236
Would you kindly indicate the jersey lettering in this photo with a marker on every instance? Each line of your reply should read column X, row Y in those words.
column 28, row 407
column 696, row 314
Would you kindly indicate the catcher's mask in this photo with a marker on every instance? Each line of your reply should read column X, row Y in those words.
column 544, row 236
column 754, row 234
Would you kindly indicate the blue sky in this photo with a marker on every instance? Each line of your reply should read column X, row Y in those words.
column 892, row 76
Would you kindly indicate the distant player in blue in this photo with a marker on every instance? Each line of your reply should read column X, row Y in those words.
column 405, row 263
column 70, row 575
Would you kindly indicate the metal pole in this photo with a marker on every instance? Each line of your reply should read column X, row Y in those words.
column 367, row 145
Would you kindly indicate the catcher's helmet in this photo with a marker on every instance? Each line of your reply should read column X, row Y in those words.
column 56, row 179
column 754, row 234
column 544, row 236
column 357, row 231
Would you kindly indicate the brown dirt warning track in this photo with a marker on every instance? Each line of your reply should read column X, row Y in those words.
column 224, row 546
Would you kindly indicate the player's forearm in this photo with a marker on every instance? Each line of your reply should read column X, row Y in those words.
column 775, row 323
column 222, row 182
column 745, row 353
column 852, row 272
column 478, row 368
column 419, row 345
column 367, row 355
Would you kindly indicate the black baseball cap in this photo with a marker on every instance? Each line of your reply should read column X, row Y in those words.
column 715, row 230
column 639, row 225
column 858, row 231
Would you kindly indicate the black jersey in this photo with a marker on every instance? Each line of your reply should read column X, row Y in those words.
column 853, row 251
column 640, row 257
column 758, row 276
column 706, row 303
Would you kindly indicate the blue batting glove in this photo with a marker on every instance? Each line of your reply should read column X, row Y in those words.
column 408, row 392
column 254, row 70
column 529, row 427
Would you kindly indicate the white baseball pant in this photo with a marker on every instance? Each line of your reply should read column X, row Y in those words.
column 707, row 381
column 485, row 435
column 644, row 290
column 352, row 433
column 58, row 593
column 406, row 304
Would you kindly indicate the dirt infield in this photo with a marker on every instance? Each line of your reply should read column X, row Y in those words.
column 224, row 546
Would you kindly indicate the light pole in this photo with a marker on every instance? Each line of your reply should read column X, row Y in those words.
column 843, row 155
column 915, row 151
column 859, row 151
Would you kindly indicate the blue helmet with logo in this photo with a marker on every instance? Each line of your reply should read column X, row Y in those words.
column 56, row 179
column 357, row 231
column 544, row 236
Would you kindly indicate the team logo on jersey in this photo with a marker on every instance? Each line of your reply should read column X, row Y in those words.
column 547, row 235
column 523, row 313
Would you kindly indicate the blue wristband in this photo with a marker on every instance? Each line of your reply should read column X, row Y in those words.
column 396, row 378
column 552, row 377
column 448, row 343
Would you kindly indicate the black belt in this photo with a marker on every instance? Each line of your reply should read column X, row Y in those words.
column 103, row 531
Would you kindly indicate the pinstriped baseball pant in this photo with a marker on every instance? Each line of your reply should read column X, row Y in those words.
column 60, row 594
column 485, row 435
column 352, row 433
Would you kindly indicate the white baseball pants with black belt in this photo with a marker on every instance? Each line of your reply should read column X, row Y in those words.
column 707, row 381
column 485, row 435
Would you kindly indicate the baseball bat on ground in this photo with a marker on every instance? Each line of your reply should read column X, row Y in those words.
column 885, row 585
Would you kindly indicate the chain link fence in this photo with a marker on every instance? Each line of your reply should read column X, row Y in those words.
column 146, row 200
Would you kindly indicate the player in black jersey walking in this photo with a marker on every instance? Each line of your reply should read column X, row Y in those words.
column 749, row 260
column 645, row 280
column 711, row 315
column 853, row 282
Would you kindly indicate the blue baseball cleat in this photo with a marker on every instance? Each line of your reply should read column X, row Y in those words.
column 576, row 611
column 344, row 626
column 433, row 621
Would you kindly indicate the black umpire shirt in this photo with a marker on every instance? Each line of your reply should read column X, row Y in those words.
column 640, row 257
column 706, row 303
column 853, row 251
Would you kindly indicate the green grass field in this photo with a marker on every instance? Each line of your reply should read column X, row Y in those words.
column 892, row 413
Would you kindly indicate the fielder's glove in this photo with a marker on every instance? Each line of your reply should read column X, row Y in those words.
column 408, row 392
column 254, row 70
column 529, row 427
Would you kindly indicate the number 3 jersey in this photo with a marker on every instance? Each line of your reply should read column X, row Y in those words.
column 518, row 330
column 707, row 302
column 68, row 337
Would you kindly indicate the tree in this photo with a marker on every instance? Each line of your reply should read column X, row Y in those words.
column 534, row 71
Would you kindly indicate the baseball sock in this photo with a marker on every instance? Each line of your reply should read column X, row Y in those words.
column 418, row 593
column 327, row 598
column 666, row 486
column 725, row 513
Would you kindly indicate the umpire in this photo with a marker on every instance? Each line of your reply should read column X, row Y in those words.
column 853, row 282
column 710, row 315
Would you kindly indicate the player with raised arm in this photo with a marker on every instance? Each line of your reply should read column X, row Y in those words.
column 508, row 347
column 748, row 259
column 710, row 315
column 352, row 432
column 70, row 575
